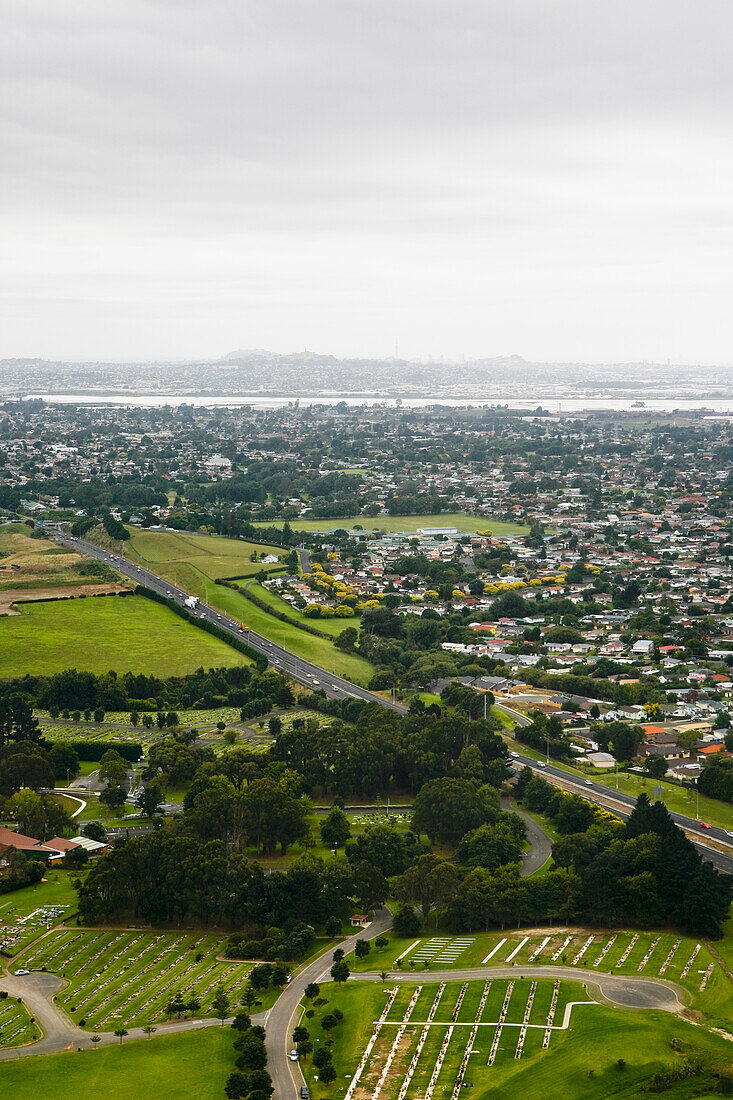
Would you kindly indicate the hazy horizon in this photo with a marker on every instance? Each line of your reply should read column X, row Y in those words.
column 372, row 179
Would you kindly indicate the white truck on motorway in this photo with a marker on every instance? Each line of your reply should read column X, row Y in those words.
column 191, row 601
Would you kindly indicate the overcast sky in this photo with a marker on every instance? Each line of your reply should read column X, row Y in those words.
column 541, row 177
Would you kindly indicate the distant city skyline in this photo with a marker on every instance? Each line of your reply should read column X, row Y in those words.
column 455, row 180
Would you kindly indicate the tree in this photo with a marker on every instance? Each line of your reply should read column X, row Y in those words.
column 448, row 808
column 687, row 740
column 121, row 1032
column 17, row 721
column 113, row 797
column 327, row 1074
column 336, row 828
column 148, row 721
column 23, row 764
column 113, row 769
column 134, row 717
column 99, row 716
column 333, row 927
column 370, row 886
column 406, row 922
column 347, row 639
column 655, row 765
column 362, row 948
column 431, row 882
column 96, row 1039
column 149, row 800
column 65, row 760
column 150, row 1030
column 37, row 816
column 220, row 1004
column 300, row 1034
column 311, row 991
column 340, row 971
column 94, row 830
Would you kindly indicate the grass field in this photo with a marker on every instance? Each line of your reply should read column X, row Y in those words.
column 176, row 1067
column 19, row 925
column 469, row 524
column 320, row 651
column 126, row 978
column 128, row 634
column 272, row 599
column 577, row 1062
column 191, row 560
column 43, row 564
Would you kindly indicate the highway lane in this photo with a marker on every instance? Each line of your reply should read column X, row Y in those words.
column 313, row 676
column 721, row 855
column 622, row 803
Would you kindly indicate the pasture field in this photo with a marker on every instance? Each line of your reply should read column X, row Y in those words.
column 176, row 1067
column 191, row 560
column 128, row 634
column 43, row 563
column 520, row 1039
column 464, row 523
column 321, row 651
column 680, row 959
column 16, row 1028
column 126, row 979
column 25, row 913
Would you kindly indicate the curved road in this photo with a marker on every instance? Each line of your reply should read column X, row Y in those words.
column 611, row 988
column 540, row 845
column 59, row 1032
column 281, row 1018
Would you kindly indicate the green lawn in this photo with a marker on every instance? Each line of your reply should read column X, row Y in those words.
column 468, row 524
column 180, row 554
column 320, row 651
column 580, row 1062
column 176, row 1067
column 129, row 634
column 332, row 626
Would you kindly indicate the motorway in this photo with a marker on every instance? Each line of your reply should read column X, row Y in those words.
column 714, row 843
column 622, row 804
column 281, row 659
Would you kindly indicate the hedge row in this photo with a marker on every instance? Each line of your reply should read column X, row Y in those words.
column 203, row 624
column 95, row 750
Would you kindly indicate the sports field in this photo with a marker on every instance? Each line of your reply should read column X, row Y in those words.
column 192, row 561
column 176, row 1067
column 126, row 979
column 469, row 524
column 128, row 634
column 520, row 1039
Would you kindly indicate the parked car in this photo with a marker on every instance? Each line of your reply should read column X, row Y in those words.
column 304, row 1094
column 293, row 1056
column 21, row 972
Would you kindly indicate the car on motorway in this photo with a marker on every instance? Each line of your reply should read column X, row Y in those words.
column 541, row 764
column 704, row 825
column 589, row 782
column 514, row 754
column 728, row 832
